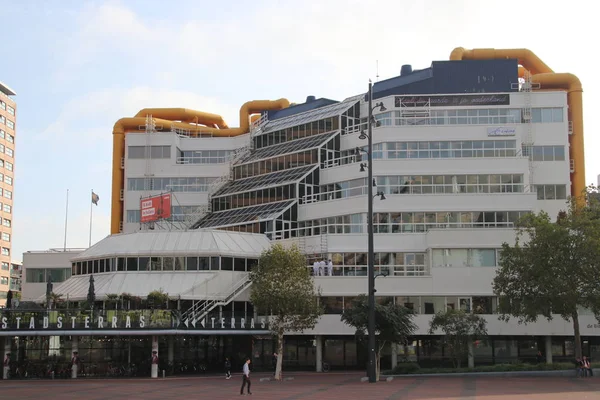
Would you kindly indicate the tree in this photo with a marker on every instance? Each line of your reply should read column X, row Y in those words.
column 553, row 267
column 393, row 323
column 283, row 287
column 460, row 330
column 158, row 299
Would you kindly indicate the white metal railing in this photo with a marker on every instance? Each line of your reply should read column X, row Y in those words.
column 361, row 270
column 256, row 126
column 122, row 162
column 441, row 189
column 202, row 308
column 572, row 165
column 203, row 160
column 570, row 127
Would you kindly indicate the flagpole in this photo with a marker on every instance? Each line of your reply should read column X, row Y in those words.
column 66, row 218
column 91, row 208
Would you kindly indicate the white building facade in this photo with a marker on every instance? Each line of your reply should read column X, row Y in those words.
column 458, row 165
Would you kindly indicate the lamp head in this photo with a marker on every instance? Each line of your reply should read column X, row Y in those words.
column 362, row 135
column 374, row 183
column 381, row 106
column 362, row 167
column 381, row 195
column 357, row 151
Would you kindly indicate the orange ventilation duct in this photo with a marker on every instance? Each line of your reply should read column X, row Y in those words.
column 547, row 79
column 184, row 115
column 165, row 119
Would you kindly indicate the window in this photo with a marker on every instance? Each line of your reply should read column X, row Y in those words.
column 547, row 115
column 8, row 194
column 2, row 133
column 2, row 105
column 551, row 192
column 1, row 162
column 1, row 148
column 3, row 280
column 10, row 124
column 203, row 156
column 139, row 152
column 5, row 251
column 545, row 153
column 6, row 236
column 10, row 138
column 133, row 216
column 5, row 266
column 9, row 166
column 8, row 180
column 464, row 258
column 199, row 184
column 7, row 208
column 10, row 152
column 2, row 119
column 10, row 110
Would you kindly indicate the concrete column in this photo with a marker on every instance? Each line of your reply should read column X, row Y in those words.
column 74, row 356
column 319, row 353
column 471, row 357
column 7, row 357
column 548, row 349
column 394, row 349
column 154, row 368
column 171, row 349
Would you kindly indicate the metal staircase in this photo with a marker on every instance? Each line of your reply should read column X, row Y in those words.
column 201, row 309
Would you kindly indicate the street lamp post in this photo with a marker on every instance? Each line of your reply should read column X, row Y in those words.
column 371, row 368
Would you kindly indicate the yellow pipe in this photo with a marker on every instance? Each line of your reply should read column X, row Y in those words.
column 184, row 115
column 137, row 123
column 526, row 58
column 547, row 79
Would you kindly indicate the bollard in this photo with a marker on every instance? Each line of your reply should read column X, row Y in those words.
column 163, row 374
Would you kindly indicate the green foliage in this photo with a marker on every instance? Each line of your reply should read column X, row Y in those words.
column 405, row 368
column 283, row 289
column 413, row 368
column 158, row 299
column 553, row 267
column 393, row 323
column 460, row 329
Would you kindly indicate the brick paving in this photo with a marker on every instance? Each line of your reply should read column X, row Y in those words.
column 309, row 386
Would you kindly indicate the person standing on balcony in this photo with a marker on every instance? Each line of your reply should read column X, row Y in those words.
column 322, row 266
column 330, row 268
column 316, row 268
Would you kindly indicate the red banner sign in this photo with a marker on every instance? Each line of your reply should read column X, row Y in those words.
column 155, row 208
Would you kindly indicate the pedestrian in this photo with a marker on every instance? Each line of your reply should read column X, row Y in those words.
column 227, row 368
column 274, row 362
column 587, row 368
column 246, row 377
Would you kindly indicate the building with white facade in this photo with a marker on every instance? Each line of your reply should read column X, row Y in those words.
column 462, row 150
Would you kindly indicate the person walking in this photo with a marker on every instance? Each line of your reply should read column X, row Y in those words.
column 227, row 368
column 246, row 377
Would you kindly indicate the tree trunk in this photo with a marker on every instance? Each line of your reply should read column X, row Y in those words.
column 278, row 368
column 575, row 318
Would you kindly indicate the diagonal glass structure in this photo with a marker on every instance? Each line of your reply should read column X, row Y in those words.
column 245, row 215
column 279, row 178
column 313, row 115
column 293, row 146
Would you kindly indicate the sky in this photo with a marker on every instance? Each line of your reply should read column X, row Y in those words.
column 79, row 66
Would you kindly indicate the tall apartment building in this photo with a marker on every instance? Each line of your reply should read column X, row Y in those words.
column 8, row 120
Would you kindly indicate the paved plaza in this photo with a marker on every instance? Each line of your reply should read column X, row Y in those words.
column 332, row 386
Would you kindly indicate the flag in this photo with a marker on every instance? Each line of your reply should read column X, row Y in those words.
column 95, row 198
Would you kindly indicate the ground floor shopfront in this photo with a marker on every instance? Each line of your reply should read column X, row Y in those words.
column 131, row 355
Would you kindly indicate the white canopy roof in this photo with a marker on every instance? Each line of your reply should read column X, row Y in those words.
column 178, row 243
column 134, row 283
